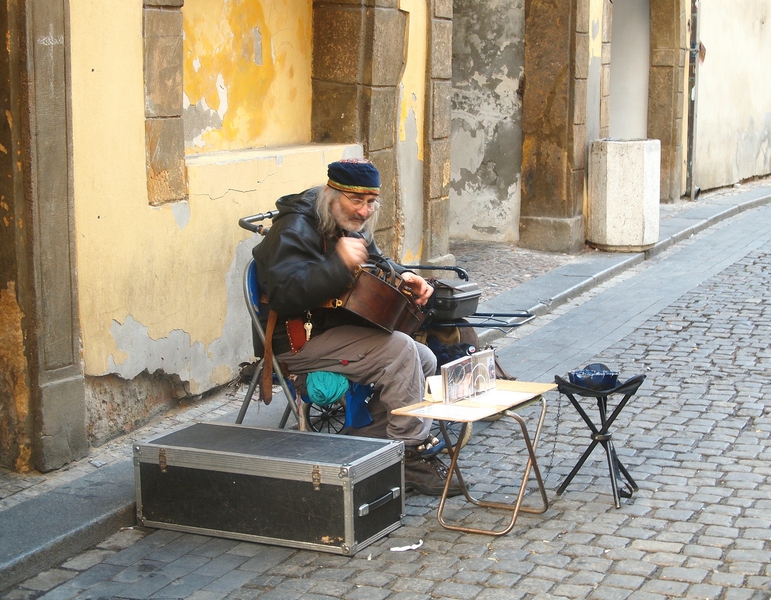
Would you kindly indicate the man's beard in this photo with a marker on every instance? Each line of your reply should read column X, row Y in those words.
column 352, row 223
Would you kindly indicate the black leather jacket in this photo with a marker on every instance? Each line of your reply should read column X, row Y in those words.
column 298, row 270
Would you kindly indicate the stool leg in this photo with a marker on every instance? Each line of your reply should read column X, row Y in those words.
column 617, row 469
column 603, row 436
column 577, row 468
column 631, row 481
column 285, row 417
column 612, row 462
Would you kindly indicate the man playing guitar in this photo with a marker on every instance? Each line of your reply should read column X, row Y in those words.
column 311, row 254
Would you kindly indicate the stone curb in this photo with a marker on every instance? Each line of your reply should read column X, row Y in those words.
column 63, row 522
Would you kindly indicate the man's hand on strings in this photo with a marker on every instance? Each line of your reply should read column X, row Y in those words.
column 418, row 286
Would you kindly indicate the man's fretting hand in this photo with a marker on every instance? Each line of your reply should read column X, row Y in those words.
column 419, row 287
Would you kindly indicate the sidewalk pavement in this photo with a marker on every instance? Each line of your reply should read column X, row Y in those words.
column 46, row 519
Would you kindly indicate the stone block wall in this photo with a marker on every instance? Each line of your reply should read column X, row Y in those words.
column 607, row 17
column 164, row 130
column 358, row 60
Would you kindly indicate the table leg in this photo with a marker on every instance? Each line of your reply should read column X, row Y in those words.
column 453, row 451
column 530, row 466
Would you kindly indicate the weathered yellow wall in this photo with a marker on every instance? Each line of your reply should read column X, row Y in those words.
column 247, row 73
column 411, row 129
column 16, row 423
column 109, row 168
column 159, row 287
column 413, row 84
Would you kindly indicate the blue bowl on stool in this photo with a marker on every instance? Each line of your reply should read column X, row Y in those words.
column 596, row 377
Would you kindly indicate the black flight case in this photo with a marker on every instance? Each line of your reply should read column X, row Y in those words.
column 325, row 492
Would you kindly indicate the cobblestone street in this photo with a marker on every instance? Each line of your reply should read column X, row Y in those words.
column 696, row 438
column 697, row 441
column 498, row 267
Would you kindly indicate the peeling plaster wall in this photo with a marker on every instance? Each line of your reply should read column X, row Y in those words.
column 733, row 130
column 202, row 365
column 160, row 295
column 412, row 103
column 247, row 74
column 486, row 154
column 117, row 406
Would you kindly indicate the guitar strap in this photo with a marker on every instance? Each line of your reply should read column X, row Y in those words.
column 266, row 385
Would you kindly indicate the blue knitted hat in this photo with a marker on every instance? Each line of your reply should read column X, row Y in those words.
column 355, row 175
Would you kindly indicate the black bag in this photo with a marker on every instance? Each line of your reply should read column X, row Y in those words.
column 451, row 343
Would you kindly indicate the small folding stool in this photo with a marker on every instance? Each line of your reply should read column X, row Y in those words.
column 602, row 434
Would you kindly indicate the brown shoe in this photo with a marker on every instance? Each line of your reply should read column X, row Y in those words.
column 427, row 475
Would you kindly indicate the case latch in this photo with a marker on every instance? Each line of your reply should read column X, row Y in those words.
column 162, row 459
column 316, row 478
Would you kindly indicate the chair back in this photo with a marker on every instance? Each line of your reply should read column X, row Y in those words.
column 252, row 297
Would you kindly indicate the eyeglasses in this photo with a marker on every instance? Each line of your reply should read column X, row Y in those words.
column 357, row 203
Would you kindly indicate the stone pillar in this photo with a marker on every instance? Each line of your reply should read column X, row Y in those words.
column 358, row 55
column 554, row 125
column 39, row 327
column 669, row 60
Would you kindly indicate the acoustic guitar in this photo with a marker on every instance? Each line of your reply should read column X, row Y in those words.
column 380, row 296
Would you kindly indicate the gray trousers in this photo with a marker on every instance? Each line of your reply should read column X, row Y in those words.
column 396, row 364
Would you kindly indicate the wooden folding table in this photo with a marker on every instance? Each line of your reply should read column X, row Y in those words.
column 507, row 398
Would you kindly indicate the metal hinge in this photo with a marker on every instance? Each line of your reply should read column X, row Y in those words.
column 316, row 478
column 162, row 459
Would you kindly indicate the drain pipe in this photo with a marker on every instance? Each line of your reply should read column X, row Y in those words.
column 696, row 54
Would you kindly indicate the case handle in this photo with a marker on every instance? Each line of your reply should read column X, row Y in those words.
column 365, row 509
